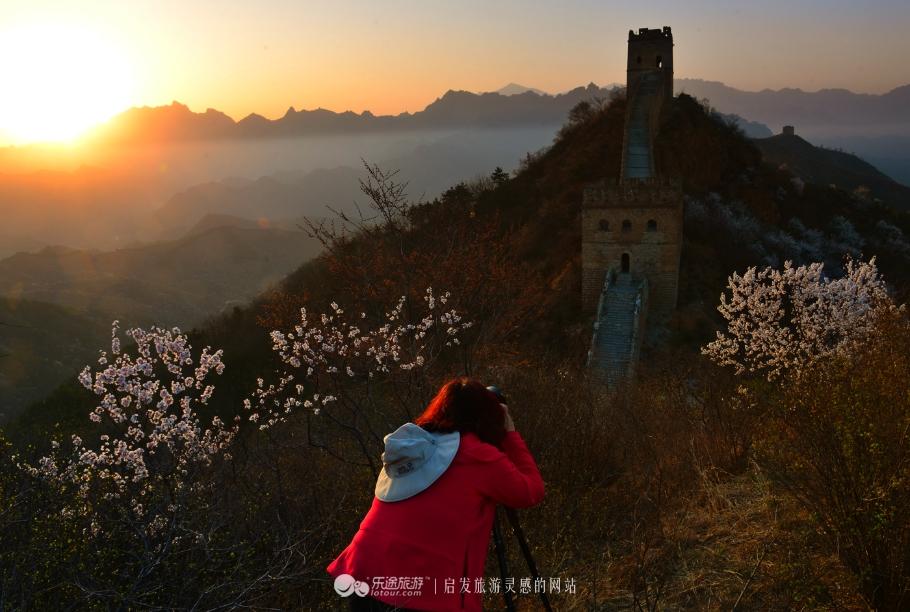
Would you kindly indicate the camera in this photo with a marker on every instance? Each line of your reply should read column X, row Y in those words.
column 498, row 393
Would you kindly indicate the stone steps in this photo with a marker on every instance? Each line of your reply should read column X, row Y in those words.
column 637, row 154
column 614, row 345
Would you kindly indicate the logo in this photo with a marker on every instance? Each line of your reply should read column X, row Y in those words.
column 405, row 468
column 345, row 584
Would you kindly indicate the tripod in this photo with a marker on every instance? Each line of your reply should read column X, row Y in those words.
column 526, row 551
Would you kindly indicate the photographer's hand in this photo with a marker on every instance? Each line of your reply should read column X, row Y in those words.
column 510, row 425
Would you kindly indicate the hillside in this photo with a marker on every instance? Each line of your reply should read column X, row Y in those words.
column 67, row 293
column 41, row 346
column 174, row 280
column 830, row 167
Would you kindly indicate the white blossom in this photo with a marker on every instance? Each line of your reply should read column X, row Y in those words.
column 152, row 417
column 783, row 320
column 330, row 352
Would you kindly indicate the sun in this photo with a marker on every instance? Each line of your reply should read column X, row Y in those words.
column 58, row 81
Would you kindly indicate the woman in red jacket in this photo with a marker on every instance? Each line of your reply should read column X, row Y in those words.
column 423, row 544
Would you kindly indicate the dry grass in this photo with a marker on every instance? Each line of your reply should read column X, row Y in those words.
column 638, row 512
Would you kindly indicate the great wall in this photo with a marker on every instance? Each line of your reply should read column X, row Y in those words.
column 632, row 227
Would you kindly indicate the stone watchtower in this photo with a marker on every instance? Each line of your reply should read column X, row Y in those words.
column 651, row 52
column 636, row 230
column 632, row 227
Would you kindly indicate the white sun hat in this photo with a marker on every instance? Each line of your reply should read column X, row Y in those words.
column 414, row 458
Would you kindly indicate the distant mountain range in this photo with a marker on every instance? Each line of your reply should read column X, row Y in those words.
column 825, row 107
column 512, row 105
column 455, row 109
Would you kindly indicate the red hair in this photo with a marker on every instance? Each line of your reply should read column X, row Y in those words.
column 464, row 404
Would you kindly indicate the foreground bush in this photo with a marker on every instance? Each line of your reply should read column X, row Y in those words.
column 839, row 441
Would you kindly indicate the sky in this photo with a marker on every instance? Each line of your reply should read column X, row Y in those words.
column 399, row 55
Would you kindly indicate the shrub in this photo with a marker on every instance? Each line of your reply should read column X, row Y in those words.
column 839, row 441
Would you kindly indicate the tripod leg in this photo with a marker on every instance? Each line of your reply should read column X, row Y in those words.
column 501, row 557
column 526, row 551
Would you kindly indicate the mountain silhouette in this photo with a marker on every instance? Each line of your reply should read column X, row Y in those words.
column 512, row 105
column 795, row 106
column 454, row 109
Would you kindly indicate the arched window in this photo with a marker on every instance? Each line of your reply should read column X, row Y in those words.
column 626, row 225
column 604, row 225
column 660, row 62
column 652, row 225
column 639, row 59
column 625, row 263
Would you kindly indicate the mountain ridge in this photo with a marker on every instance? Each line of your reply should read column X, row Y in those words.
column 824, row 166
column 511, row 105
column 826, row 106
column 513, row 89
column 454, row 108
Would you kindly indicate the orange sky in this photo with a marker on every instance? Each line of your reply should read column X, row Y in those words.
column 398, row 55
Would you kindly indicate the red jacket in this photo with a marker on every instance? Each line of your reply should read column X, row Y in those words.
column 442, row 534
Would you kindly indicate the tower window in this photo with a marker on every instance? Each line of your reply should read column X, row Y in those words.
column 626, row 225
column 638, row 59
column 604, row 225
column 660, row 62
column 652, row 225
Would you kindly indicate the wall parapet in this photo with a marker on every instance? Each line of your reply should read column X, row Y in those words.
column 655, row 192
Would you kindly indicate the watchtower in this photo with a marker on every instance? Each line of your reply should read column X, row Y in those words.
column 633, row 229
column 651, row 52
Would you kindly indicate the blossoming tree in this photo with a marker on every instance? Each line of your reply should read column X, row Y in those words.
column 780, row 321
column 147, row 517
column 353, row 373
column 151, row 439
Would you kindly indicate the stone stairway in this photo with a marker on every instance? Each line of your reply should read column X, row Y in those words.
column 637, row 154
column 613, row 348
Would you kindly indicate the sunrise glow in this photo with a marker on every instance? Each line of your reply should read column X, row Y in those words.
column 59, row 80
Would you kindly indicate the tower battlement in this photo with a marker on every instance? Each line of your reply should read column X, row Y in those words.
column 656, row 192
column 651, row 34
